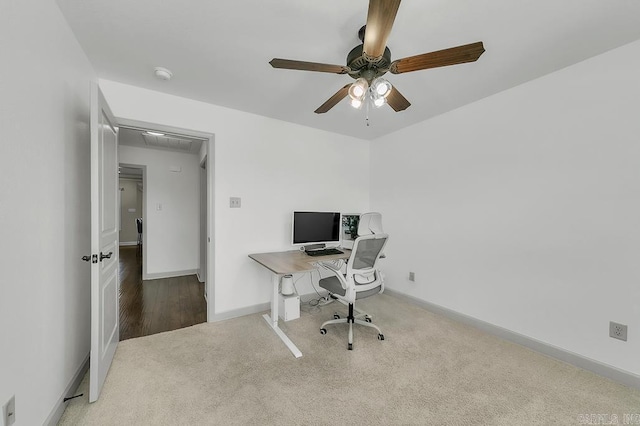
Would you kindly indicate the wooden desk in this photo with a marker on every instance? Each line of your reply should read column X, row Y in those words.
column 283, row 263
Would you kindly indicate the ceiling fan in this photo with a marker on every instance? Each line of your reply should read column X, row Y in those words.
column 368, row 62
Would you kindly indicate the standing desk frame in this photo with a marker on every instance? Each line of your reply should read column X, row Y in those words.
column 283, row 263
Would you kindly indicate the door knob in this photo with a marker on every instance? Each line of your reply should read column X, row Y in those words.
column 86, row 258
column 105, row 256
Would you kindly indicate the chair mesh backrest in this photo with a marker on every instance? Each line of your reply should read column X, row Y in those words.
column 367, row 252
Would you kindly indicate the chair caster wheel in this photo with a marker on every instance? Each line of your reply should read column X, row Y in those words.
column 368, row 319
column 323, row 331
column 336, row 316
column 380, row 336
column 350, row 346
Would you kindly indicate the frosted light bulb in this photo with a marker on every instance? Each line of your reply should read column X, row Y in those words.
column 381, row 86
column 358, row 89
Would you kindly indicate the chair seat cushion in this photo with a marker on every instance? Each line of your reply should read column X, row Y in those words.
column 332, row 285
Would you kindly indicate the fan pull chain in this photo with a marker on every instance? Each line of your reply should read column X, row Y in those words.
column 367, row 112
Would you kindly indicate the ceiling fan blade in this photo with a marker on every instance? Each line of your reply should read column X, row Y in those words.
column 380, row 19
column 441, row 58
column 333, row 101
column 308, row 66
column 397, row 101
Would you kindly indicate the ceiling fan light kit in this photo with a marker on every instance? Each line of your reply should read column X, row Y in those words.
column 368, row 62
column 361, row 92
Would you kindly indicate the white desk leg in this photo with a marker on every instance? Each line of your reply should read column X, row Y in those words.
column 273, row 320
column 275, row 282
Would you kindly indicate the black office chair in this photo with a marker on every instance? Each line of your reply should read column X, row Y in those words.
column 362, row 279
column 139, row 243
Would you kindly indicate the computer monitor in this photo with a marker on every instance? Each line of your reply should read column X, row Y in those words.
column 315, row 228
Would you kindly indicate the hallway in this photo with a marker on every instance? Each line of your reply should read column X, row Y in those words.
column 154, row 306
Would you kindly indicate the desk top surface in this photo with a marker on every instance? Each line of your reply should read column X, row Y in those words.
column 293, row 261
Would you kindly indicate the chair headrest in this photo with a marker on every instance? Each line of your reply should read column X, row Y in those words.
column 370, row 223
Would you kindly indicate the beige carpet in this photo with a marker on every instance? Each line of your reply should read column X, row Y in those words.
column 429, row 370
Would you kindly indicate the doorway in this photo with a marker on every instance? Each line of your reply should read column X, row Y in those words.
column 172, row 204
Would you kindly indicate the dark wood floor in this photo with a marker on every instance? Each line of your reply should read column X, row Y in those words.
column 154, row 306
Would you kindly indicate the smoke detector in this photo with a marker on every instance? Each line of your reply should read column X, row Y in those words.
column 163, row 73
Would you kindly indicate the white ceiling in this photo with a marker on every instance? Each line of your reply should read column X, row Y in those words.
column 219, row 51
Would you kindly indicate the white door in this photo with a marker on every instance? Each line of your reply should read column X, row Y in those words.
column 104, row 241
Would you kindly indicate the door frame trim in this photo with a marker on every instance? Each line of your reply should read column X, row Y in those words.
column 208, row 139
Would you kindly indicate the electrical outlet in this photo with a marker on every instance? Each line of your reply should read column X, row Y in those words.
column 235, row 202
column 618, row 331
column 9, row 412
column 412, row 276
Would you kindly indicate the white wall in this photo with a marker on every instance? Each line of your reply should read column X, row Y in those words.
column 44, row 212
column 523, row 209
column 265, row 162
column 172, row 237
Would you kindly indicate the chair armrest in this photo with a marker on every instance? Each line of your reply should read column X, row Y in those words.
column 335, row 270
column 332, row 266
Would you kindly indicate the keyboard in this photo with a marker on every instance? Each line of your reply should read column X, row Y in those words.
column 324, row 252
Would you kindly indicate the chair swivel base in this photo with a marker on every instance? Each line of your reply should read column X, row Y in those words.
column 350, row 319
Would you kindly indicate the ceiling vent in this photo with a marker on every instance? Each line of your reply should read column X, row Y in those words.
column 168, row 142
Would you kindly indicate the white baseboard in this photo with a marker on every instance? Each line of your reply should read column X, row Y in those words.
column 128, row 243
column 597, row 367
column 200, row 279
column 172, row 274
column 60, row 406
column 235, row 313
column 261, row 307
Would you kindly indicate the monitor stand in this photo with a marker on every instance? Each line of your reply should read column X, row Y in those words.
column 312, row 247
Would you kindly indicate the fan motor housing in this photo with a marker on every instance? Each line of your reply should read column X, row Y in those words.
column 365, row 68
